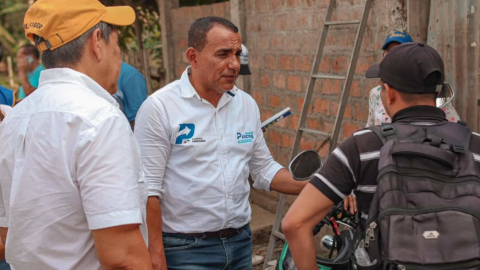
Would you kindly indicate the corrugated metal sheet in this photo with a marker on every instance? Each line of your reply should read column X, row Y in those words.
column 454, row 29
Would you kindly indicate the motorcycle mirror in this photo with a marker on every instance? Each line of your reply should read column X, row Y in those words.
column 305, row 165
column 445, row 95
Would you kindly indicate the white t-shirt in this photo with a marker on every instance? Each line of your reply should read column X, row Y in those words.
column 70, row 164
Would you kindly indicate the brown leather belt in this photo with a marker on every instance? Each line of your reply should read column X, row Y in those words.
column 222, row 234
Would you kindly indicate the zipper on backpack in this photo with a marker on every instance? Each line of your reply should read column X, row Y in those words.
column 433, row 209
column 370, row 232
column 392, row 169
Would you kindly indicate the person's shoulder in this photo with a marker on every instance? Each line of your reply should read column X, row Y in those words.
column 128, row 70
column 365, row 140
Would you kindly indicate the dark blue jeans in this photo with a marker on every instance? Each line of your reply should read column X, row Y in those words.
column 192, row 253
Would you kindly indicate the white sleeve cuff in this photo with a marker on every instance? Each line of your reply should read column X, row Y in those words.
column 4, row 222
column 156, row 192
column 264, row 181
column 114, row 219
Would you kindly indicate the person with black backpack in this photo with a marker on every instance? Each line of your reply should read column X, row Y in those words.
column 417, row 180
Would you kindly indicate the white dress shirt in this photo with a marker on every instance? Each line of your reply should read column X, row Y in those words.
column 197, row 158
column 69, row 164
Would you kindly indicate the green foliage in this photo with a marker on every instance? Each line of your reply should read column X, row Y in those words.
column 12, row 35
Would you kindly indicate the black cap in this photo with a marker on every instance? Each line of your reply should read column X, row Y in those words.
column 413, row 68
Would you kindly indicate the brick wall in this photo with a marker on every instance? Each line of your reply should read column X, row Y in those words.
column 282, row 37
column 182, row 19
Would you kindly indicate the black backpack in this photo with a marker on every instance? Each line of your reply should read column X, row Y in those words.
column 425, row 213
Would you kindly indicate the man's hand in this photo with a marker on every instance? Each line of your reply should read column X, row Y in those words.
column 155, row 241
column 350, row 204
column 122, row 248
column 22, row 64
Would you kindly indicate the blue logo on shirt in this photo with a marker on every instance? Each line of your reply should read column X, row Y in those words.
column 185, row 133
column 246, row 137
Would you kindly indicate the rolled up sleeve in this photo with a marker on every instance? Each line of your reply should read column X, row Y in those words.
column 263, row 167
column 153, row 139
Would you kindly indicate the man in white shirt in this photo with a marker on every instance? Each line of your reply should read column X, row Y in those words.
column 200, row 138
column 73, row 194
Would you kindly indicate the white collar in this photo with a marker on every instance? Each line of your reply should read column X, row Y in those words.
column 67, row 75
column 187, row 90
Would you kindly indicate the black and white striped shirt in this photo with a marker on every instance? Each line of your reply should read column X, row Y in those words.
column 354, row 164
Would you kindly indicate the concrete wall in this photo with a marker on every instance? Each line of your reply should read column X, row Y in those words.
column 282, row 37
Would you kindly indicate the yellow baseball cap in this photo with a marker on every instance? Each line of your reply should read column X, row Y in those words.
column 61, row 21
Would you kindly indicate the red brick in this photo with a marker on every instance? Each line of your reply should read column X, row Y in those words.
column 346, row 39
column 263, row 42
column 355, row 89
column 182, row 43
column 265, row 114
column 274, row 137
column 268, row 22
column 299, row 22
column 282, row 21
column 306, row 144
column 324, row 64
column 348, row 110
column 314, row 124
column 252, row 25
column 276, row 5
column 273, row 100
column 322, row 105
column 328, row 126
column 330, row 87
column 308, row 3
column 316, row 20
column 292, row 3
column 287, row 140
column 261, row 6
column 207, row 10
column 310, row 41
column 324, row 151
column 350, row 128
column 363, row 64
column 265, row 80
column 271, row 62
column 219, row 10
column 254, row 62
column 303, row 63
column 286, row 62
column 294, row 83
column 258, row 96
column 293, row 122
column 300, row 103
column 361, row 112
column 292, row 43
column 279, row 81
column 278, row 42
column 339, row 65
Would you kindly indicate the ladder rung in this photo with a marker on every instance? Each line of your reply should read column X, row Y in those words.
column 342, row 22
column 279, row 235
column 323, row 133
column 333, row 77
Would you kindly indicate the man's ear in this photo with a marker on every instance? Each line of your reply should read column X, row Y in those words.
column 96, row 45
column 192, row 55
column 390, row 93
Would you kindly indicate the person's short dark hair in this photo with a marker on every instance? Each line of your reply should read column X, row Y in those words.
column 197, row 34
column 30, row 49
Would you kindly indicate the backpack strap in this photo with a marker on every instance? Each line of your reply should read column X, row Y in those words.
column 385, row 132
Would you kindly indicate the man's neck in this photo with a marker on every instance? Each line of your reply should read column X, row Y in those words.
column 209, row 95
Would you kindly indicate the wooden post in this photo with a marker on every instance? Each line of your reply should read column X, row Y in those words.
column 165, row 7
column 237, row 14
column 10, row 72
